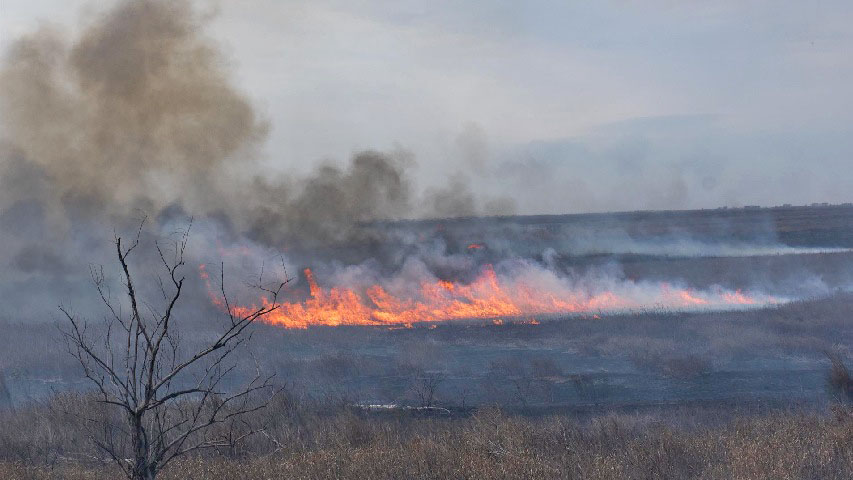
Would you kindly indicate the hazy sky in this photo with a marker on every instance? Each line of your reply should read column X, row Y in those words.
column 566, row 106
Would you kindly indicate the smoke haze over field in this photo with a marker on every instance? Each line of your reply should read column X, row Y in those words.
column 138, row 112
column 657, row 106
column 140, row 109
column 379, row 155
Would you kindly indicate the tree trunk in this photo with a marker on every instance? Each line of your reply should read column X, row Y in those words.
column 5, row 397
column 142, row 469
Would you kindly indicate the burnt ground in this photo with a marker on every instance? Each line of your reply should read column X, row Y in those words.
column 773, row 356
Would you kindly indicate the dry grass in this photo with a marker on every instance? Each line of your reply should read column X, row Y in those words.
column 492, row 445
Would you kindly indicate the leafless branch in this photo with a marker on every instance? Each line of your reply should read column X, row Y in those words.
column 138, row 370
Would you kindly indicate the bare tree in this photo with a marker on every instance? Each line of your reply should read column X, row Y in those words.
column 159, row 402
column 425, row 386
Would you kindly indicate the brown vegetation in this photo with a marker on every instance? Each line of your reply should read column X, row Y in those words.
column 317, row 442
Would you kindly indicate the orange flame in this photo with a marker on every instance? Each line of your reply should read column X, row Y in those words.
column 475, row 246
column 484, row 298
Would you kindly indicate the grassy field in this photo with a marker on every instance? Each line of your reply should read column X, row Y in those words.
column 678, row 444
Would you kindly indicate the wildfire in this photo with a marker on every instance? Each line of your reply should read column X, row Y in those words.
column 475, row 246
column 487, row 297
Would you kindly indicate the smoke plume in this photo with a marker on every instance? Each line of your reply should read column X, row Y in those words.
column 138, row 113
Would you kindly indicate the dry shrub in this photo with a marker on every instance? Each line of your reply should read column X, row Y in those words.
column 839, row 377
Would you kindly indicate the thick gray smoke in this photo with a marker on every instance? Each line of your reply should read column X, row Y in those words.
column 138, row 113
column 331, row 202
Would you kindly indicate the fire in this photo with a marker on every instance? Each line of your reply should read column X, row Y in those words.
column 476, row 246
column 487, row 297
column 739, row 297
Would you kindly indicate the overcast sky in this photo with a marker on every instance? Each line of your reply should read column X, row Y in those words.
column 566, row 106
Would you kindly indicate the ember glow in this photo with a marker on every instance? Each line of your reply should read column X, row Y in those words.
column 489, row 296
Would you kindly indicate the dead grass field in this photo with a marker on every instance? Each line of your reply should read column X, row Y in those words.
column 491, row 445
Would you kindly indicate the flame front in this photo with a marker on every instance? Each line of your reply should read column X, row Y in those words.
column 487, row 297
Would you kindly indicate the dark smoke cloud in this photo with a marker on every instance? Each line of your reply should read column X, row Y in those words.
column 329, row 204
column 456, row 199
column 138, row 113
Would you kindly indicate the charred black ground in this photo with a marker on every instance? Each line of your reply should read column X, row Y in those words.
column 776, row 355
